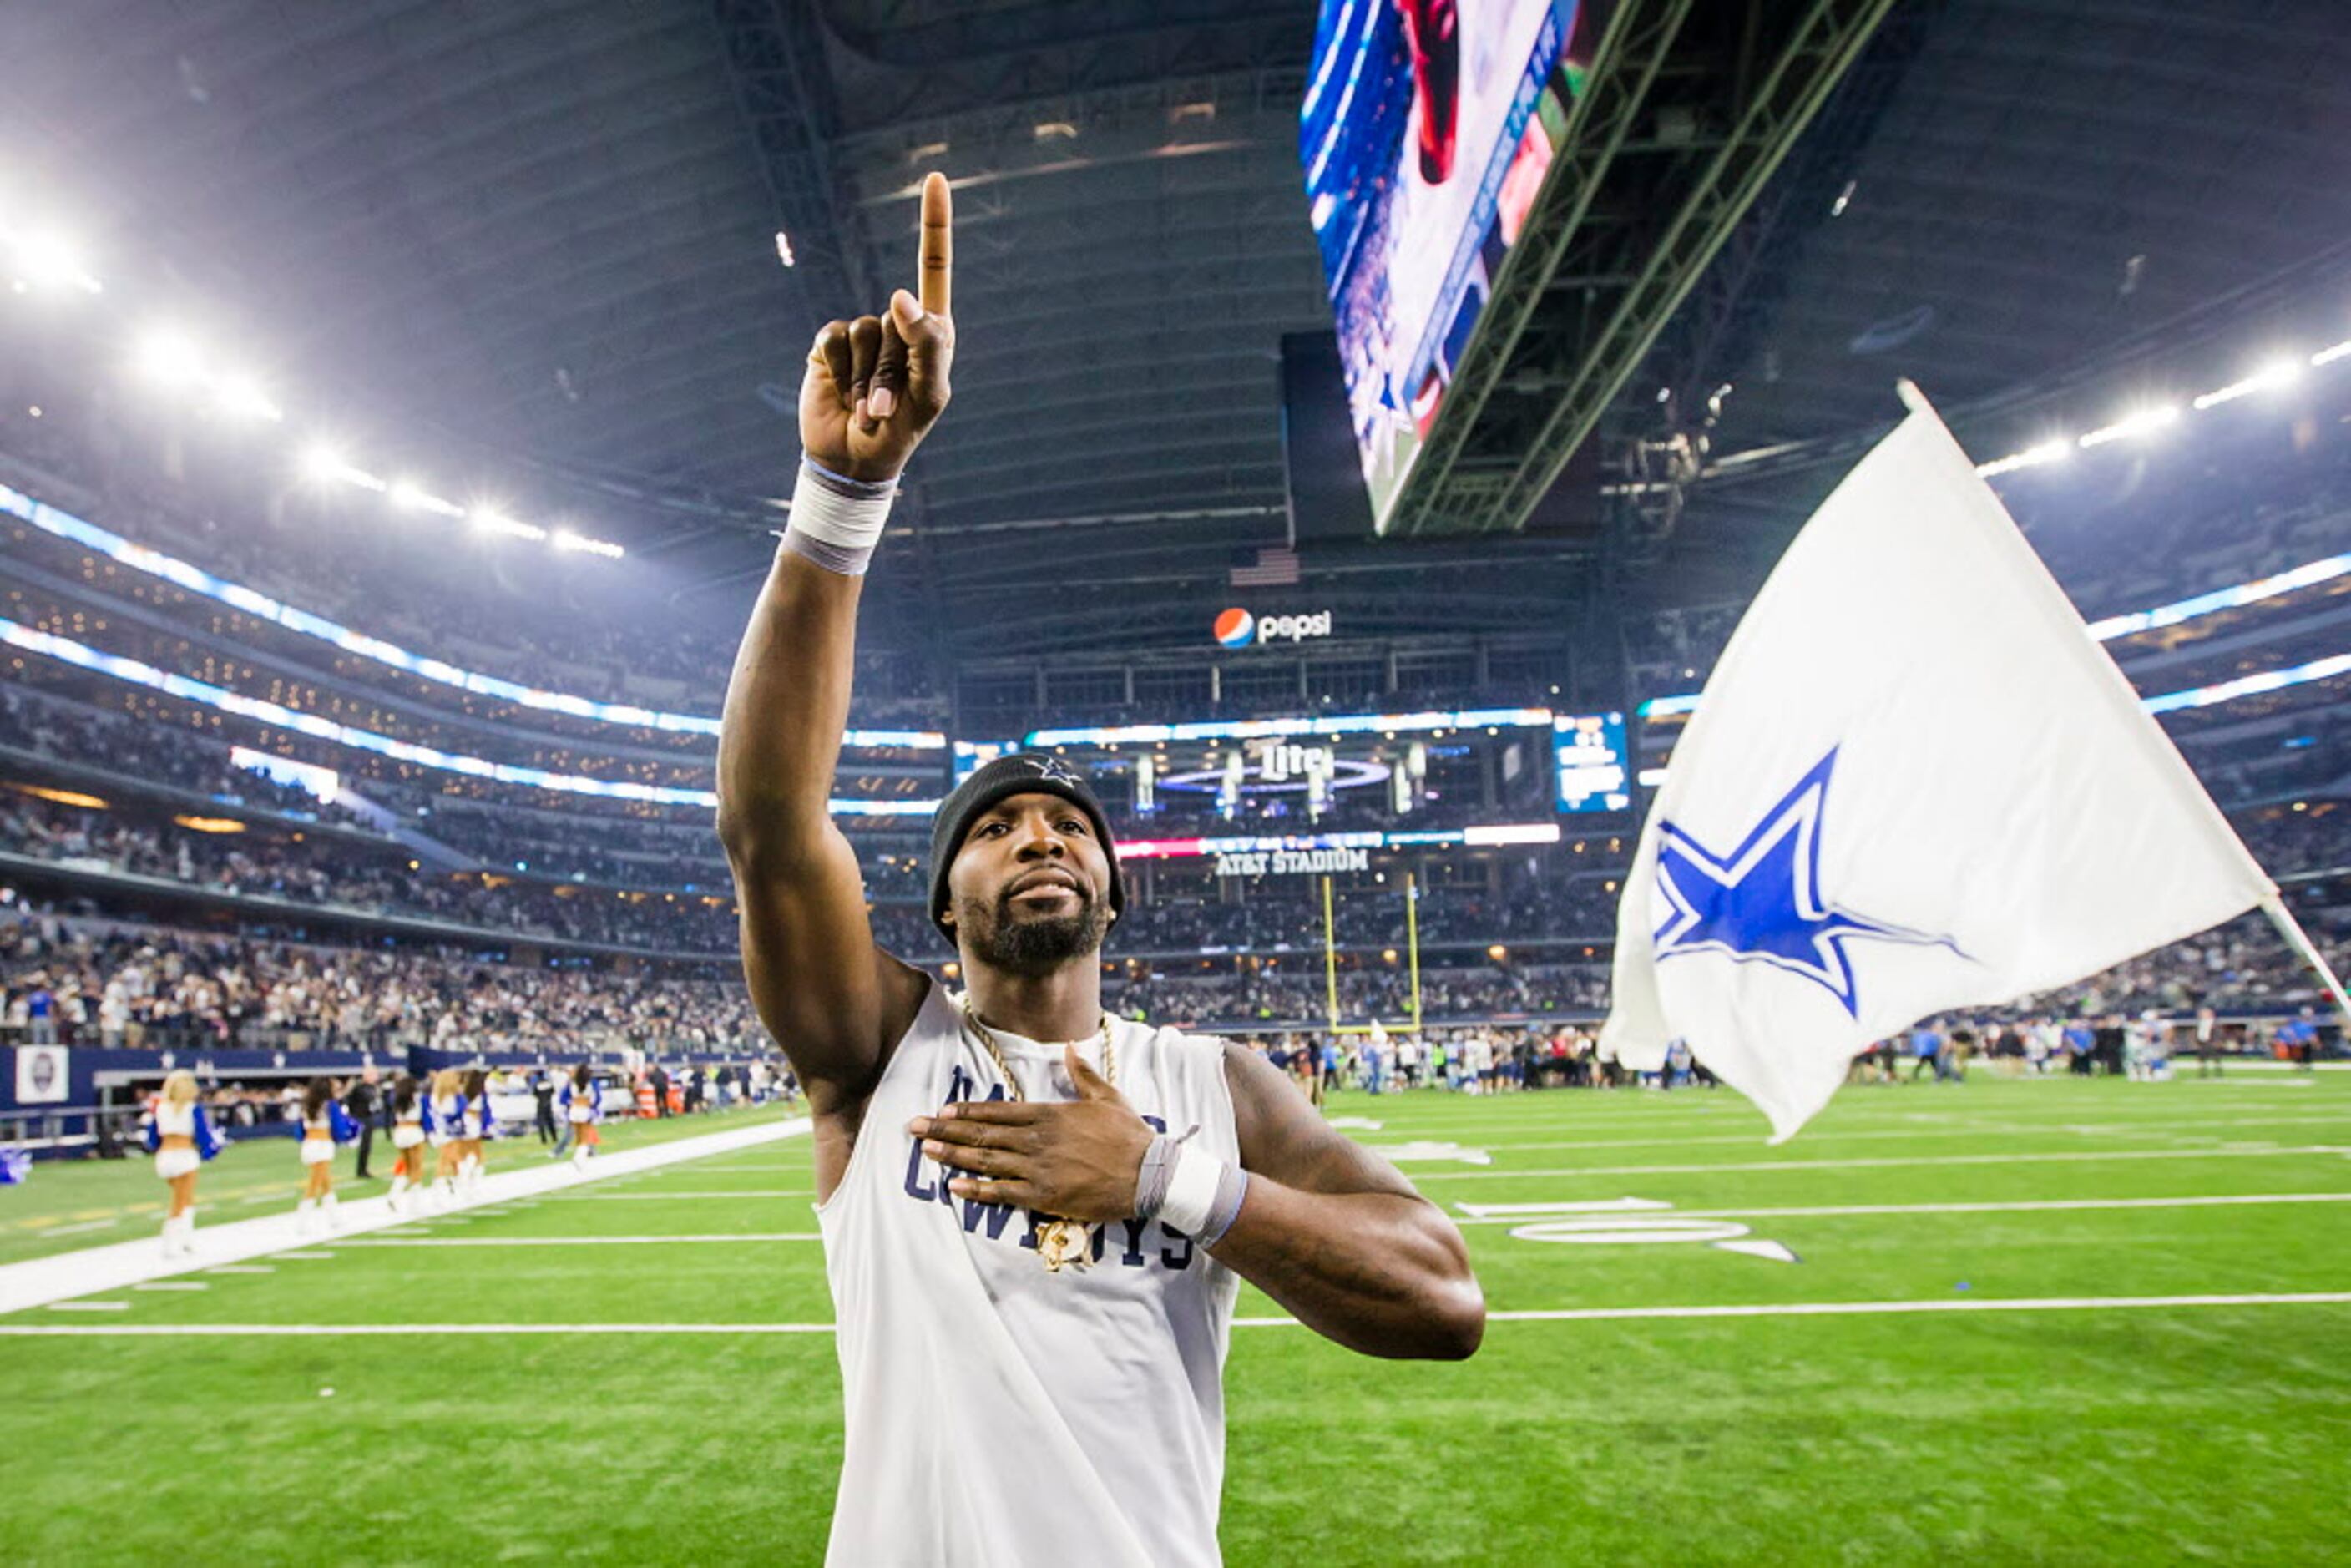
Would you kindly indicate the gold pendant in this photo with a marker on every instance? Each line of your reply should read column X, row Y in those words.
column 1061, row 1243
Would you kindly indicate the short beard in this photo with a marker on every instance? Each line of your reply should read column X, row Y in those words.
column 1035, row 947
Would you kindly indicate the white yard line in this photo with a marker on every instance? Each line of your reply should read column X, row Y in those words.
column 42, row 1282
column 698, row 1196
column 2067, row 1157
column 1566, row 1314
column 2205, row 1126
column 1868, row 1101
column 585, row 1240
column 2034, row 1205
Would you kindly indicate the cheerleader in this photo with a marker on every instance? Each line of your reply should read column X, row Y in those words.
column 583, row 1106
column 409, row 1115
column 182, row 1139
column 324, row 1125
column 444, row 1130
column 478, row 1126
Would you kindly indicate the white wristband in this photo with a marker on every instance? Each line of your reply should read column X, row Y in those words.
column 1191, row 1199
column 837, row 522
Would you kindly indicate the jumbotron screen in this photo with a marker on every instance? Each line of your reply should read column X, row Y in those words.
column 1589, row 752
column 1426, row 130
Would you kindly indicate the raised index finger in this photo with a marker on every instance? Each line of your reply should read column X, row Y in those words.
column 939, row 245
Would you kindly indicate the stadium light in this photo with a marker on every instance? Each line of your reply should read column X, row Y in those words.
column 566, row 540
column 493, row 521
column 322, row 463
column 411, row 497
column 2055, row 451
column 2139, row 421
column 2279, row 374
column 784, row 248
column 50, row 261
column 243, row 396
column 169, row 358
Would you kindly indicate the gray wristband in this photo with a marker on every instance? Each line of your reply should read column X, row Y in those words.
column 1232, row 1191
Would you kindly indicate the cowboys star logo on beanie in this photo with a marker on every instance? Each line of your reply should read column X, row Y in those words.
column 1021, row 773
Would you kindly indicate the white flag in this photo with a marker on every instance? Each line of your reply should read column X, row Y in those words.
column 1913, row 783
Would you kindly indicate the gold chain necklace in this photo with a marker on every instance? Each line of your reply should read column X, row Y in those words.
column 1059, row 1242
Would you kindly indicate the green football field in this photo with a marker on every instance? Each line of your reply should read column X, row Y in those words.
column 2057, row 1321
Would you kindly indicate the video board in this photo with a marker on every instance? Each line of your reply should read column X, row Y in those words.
column 1425, row 132
column 1588, row 751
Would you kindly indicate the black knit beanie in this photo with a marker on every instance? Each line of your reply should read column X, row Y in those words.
column 1021, row 773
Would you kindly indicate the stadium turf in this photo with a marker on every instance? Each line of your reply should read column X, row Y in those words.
column 2072, row 1408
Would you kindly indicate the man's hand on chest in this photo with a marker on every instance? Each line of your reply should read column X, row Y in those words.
column 1078, row 1158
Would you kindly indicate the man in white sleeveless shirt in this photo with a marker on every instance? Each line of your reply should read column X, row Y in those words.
column 1035, row 1216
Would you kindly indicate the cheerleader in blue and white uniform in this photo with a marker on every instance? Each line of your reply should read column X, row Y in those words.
column 446, row 1127
column 182, row 1139
column 325, row 1123
column 479, row 1122
column 583, row 1107
column 409, row 1113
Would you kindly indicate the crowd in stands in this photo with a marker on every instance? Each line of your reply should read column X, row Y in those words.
column 321, row 872
column 1536, row 903
column 2286, row 841
column 1300, row 995
column 148, row 752
column 97, row 983
column 2243, row 966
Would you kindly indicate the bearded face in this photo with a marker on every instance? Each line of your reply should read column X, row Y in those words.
column 1029, row 888
column 1004, row 934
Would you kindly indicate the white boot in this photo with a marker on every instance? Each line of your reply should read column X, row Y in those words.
column 395, row 1199
column 580, row 1157
column 444, row 1193
column 170, row 1240
column 306, row 1217
column 330, row 1209
column 469, row 1174
column 188, row 1234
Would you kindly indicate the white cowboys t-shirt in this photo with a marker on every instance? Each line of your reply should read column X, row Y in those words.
column 997, row 1414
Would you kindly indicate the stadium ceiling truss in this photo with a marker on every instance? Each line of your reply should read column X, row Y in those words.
column 1673, row 139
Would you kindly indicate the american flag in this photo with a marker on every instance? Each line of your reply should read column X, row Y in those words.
column 1275, row 567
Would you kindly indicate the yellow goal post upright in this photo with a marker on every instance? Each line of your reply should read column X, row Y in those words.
column 1409, row 1024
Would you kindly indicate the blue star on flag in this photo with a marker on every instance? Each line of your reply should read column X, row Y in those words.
column 1762, row 903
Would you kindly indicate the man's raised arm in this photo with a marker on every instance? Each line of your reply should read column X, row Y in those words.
column 873, row 388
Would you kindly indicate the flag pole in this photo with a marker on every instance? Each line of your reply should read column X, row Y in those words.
column 1412, row 941
column 1330, row 953
column 2299, row 940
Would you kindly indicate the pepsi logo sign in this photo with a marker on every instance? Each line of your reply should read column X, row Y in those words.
column 1236, row 628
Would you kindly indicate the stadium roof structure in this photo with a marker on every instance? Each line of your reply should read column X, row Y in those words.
column 542, row 243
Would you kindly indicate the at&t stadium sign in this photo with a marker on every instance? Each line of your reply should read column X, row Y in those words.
column 1292, row 862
